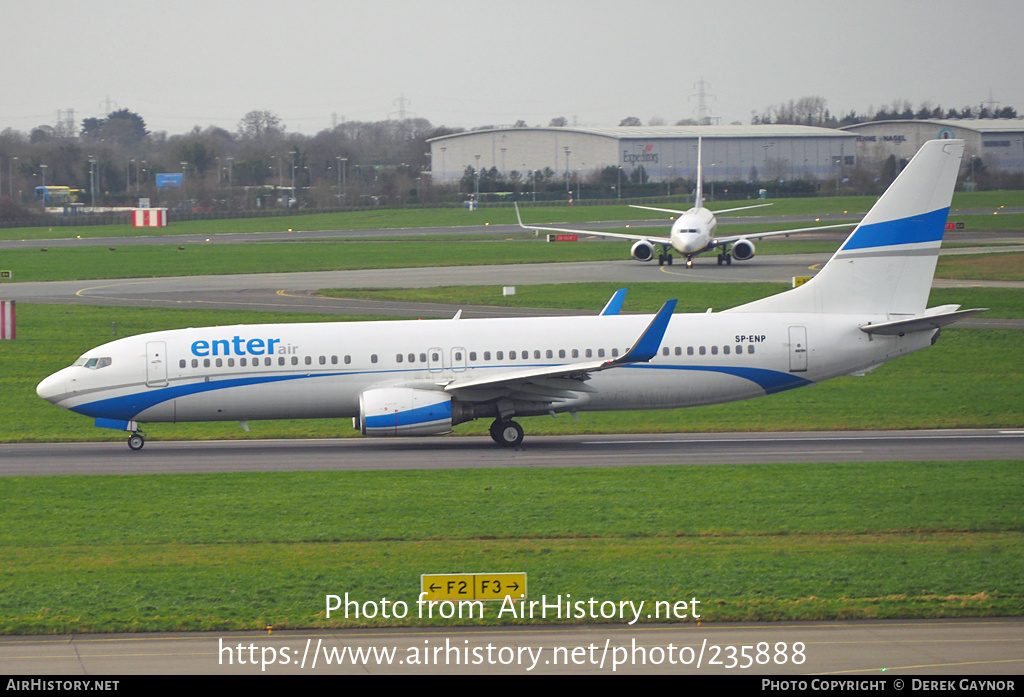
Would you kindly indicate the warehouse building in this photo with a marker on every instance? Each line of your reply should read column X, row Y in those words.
column 998, row 142
column 666, row 153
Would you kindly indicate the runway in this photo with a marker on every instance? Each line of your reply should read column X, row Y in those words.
column 464, row 452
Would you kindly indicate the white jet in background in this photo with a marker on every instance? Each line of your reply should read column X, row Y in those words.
column 692, row 233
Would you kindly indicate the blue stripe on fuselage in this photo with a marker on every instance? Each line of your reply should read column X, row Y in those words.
column 129, row 406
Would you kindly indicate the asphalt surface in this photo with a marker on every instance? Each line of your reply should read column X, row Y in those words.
column 464, row 452
column 828, row 656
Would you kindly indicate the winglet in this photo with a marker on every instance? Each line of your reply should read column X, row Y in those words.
column 646, row 347
column 614, row 305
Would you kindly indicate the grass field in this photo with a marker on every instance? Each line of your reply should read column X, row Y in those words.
column 240, row 551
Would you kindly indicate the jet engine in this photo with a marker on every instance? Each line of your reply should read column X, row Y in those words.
column 642, row 250
column 742, row 250
column 406, row 411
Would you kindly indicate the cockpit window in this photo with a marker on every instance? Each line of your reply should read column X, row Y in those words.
column 93, row 363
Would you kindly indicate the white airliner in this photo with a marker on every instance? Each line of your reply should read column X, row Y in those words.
column 865, row 307
column 692, row 233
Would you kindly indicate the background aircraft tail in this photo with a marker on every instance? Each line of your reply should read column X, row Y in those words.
column 698, row 199
column 887, row 263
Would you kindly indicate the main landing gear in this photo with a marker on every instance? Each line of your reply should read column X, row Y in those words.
column 664, row 258
column 725, row 258
column 506, row 433
column 136, row 440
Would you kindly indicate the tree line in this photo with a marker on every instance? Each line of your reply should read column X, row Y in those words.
column 114, row 160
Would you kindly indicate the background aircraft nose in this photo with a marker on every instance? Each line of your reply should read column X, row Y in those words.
column 52, row 388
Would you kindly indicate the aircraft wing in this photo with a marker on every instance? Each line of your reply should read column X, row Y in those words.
column 727, row 239
column 561, row 378
column 617, row 235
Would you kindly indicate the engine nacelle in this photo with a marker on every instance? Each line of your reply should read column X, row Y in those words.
column 405, row 411
column 642, row 250
column 742, row 250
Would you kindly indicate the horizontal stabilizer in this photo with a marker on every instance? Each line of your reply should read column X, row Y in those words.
column 919, row 324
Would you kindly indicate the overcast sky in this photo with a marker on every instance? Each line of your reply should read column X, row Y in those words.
column 186, row 63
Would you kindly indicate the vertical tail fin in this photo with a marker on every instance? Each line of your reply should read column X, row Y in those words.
column 698, row 199
column 886, row 265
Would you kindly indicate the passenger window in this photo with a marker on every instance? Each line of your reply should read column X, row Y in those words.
column 348, row 360
column 373, row 358
column 549, row 354
column 511, row 355
column 536, row 354
column 472, row 355
column 423, row 358
column 689, row 350
column 323, row 360
column 398, row 357
column 181, row 363
column 590, row 353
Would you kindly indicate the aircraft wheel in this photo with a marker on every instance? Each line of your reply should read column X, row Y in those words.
column 668, row 258
column 508, row 434
column 136, row 441
column 728, row 259
column 661, row 260
column 720, row 260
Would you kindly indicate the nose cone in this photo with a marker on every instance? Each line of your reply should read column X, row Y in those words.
column 53, row 389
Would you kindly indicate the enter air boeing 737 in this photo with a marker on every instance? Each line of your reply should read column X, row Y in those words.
column 865, row 307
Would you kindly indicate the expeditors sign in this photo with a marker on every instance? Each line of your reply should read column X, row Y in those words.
column 454, row 587
column 7, row 319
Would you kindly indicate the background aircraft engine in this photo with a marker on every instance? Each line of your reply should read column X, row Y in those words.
column 642, row 250
column 405, row 411
column 742, row 250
